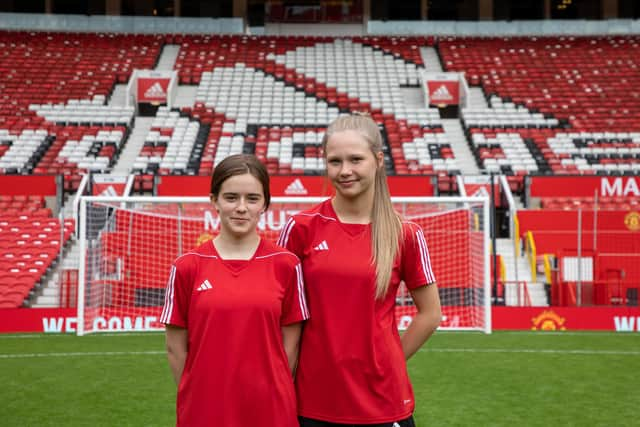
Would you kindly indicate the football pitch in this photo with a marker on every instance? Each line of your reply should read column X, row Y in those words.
column 459, row 379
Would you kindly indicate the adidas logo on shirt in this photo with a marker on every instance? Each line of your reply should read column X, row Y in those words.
column 155, row 91
column 322, row 246
column 441, row 94
column 205, row 286
column 296, row 188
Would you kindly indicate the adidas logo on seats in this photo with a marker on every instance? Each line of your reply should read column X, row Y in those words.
column 441, row 94
column 155, row 91
column 296, row 188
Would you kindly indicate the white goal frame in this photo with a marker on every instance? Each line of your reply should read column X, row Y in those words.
column 85, row 200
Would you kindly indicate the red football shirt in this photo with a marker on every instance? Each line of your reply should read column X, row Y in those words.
column 236, row 373
column 351, row 366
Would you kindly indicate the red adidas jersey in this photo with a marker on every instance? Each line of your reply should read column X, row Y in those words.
column 351, row 366
column 236, row 373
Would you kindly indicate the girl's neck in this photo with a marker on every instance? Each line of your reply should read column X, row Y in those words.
column 230, row 247
column 353, row 211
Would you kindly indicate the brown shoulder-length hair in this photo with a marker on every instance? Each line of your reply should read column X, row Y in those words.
column 239, row 164
column 386, row 225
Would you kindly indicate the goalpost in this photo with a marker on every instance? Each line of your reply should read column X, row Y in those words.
column 127, row 245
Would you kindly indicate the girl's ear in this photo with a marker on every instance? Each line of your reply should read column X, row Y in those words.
column 380, row 159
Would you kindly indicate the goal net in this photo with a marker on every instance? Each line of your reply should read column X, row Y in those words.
column 127, row 245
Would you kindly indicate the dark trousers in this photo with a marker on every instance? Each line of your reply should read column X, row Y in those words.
column 307, row 422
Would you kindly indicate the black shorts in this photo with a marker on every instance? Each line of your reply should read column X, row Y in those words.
column 308, row 422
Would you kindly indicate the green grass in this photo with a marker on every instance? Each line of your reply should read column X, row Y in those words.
column 460, row 379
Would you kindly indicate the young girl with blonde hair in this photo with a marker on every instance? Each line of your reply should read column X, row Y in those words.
column 355, row 250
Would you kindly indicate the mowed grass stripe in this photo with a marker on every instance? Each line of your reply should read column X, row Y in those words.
column 433, row 350
column 459, row 379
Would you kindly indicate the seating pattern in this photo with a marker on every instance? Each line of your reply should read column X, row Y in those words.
column 29, row 244
column 574, row 100
column 505, row 114
column 589, row 203
column 173, row 145
column 51, row 68
column 85, row 112
column 19, row 152
column 286, row 83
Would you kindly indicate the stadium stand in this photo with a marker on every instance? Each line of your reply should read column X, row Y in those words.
column 562, row 105
column 30, row 244
column 573, row 100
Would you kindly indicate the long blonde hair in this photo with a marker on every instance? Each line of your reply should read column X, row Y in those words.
column 386, row 226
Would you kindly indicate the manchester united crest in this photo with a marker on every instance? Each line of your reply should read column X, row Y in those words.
column 632, row 221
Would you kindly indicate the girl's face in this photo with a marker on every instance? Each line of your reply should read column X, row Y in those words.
column 240, row 203
column 351, row 166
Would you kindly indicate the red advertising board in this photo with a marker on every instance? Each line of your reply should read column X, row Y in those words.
column 584, row 186
column 153, row 89
column 618, row 319
column 614, row 319
column 538, row 220
column 309, row 186
column 28, row 185
column 107, row 185
column 443, row 92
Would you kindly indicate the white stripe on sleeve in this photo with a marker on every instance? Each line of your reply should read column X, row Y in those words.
column 301, row 297
column 424, row 257
column 169, row 295
column 284, row 234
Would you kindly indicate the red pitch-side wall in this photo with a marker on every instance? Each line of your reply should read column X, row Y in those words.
column 28, row 185
column 612, row 319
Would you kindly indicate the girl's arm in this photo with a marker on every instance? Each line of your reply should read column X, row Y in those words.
column 176, row 343
column 427, row 319
column 291, row 341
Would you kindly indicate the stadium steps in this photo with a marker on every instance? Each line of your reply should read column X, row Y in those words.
column 517, row 269
column 431, row 60
column 413, row 97
column 49, row 295
column 476, row 99
column 465, row 160
column 133, row 145
column 118, row 97
column 185, row 96
column 168, row 57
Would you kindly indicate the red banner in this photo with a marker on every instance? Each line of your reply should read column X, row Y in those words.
column 483, row 190
column 309, row 186
column 107, row 185
column 28, row 185
column 153, row 89
column 64, row 320
column 618, row 319
column 584, row 186
column 548, row 220
column 614, row 319
column 443, row 92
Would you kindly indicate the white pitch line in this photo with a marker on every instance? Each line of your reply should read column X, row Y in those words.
column 430, row 350
column 79, row 354
column 531, row 350
column 67, row 335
